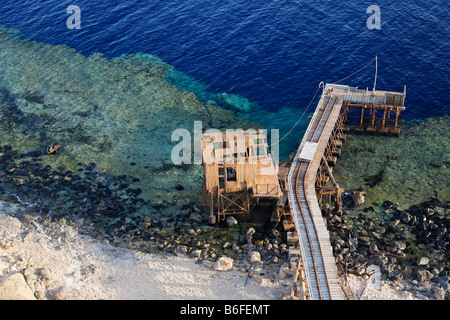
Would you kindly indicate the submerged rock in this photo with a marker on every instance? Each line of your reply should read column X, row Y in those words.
column 394, row 168
column 358, row 196
column 53, row 148
column 196, row 216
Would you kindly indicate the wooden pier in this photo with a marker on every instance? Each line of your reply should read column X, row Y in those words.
column 238, row 168
column 307, row 183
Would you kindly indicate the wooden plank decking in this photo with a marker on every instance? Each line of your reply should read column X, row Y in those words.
column 315, row 248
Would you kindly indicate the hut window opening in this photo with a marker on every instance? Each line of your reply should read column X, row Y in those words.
column 231, row 174
column 221, row 174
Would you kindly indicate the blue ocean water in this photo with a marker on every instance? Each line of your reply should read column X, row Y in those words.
column 274, row 53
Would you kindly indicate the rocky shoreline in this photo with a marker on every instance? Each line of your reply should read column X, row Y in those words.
column 105, row 207
column 396, row 208
column 409, row 247
column 47, row 259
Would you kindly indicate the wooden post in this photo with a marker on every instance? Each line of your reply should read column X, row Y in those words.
column 395, row 130
column 247, row 198
column 218, row 206
column 211, row 204
column 205, row 196
column 320, row 198
column 338, row 202
column 374, row 111
column 329, row 204
column 384, row 118
column 397, row 113
column 362, row 115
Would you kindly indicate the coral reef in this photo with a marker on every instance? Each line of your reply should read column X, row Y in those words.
column 88, row 140
column 407, row 170
column 117, row 113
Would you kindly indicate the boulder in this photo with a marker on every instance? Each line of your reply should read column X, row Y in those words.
column 179, row 187
column 196, row 253
column 231, row 221
column 438, row 293
column 60, row 293
column 15, row 288
column 212, row 220
column 196, row 217
column 227, row 245
column 423, row 261
column 224, row 264
column 399, row 245
column 423, row 275
column 249, row 235
column 180, row 249
column 358, row 196
column 254, row 257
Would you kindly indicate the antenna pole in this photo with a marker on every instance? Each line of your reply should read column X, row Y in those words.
column 376, row 73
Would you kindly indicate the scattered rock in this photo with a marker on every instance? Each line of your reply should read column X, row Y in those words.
column 167, row 213
column 196, row 216
column 438, row 293
column 254, row 257
column 231, row 221
column 423, row 261
column 147, row 222
column 358, row 196
column 212, row 220
column 423, row 275
column 196, row 253
column 224, row 264
column 18, row 182
column 399, row 245
column 53, row 148
column 99, row 169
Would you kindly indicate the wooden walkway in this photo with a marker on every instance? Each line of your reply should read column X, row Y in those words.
column 316, row 253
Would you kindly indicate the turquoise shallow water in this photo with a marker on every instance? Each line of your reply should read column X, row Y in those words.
column 114, row 119
column 111, row 112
